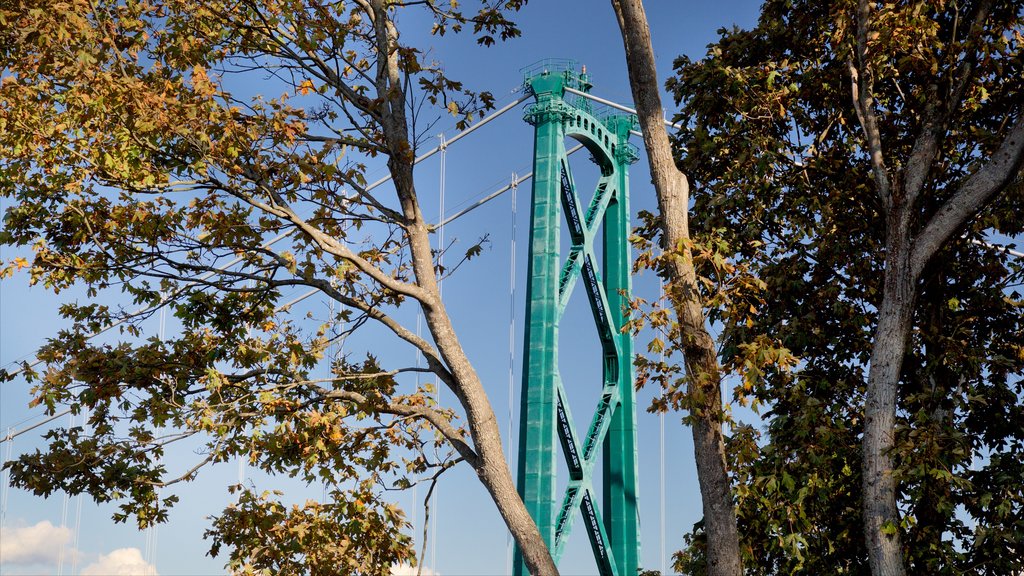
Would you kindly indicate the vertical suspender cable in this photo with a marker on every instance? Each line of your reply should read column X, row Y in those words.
column 151, row 532
column 661, row 458
column 163, row 336
column 5, row 490
column 242, row 465
column 437, row 381
column 661, row 486
column 511, row 354
column 330, row 364
column 64, row 515
column 78, row 526
column 415, row 486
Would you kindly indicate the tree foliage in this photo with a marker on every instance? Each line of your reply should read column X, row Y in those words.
column 783, row 172
column 204, row 158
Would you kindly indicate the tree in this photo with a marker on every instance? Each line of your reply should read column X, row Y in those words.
column 136, row 164
column 852, row 156
column 703, row 396
column 912, row 239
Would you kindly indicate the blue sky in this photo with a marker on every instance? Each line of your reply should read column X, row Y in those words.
column 470, row 538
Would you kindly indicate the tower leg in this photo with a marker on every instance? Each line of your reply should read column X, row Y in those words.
column 538, row 440
column 620, row 450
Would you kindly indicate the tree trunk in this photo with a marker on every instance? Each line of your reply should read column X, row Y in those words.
column 906, row 255
column 462, row 379
column 881, row 516
column 490, row 464
column 723, row 553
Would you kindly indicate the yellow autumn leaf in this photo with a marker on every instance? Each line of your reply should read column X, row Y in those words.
column 20, row 263
column 306, row 87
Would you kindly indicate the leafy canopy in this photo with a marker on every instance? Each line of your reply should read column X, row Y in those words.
column 782, row 182
column 204, row 158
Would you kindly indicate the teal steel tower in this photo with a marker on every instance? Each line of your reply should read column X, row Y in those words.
column 545, row 419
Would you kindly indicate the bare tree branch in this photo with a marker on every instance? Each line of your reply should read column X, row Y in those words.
column 861, row 89
column 1003, row 166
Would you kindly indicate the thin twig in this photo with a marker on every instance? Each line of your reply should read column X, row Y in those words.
column 426, row 511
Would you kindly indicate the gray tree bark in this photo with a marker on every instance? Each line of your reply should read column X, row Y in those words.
column 894, row 323
column 907, row 254
column 699, row 354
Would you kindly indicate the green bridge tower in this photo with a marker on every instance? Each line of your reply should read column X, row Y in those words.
column 545, row 418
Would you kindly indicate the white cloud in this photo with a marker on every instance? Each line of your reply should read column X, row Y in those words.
column 38, row 544
column 120, row 562
column 41, row 544
column 410, row 570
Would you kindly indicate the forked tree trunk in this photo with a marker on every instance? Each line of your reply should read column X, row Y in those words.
column 723, row 549
column 908, row 251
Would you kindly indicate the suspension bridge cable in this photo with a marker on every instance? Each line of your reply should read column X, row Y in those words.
column 5, row 490
column 1002, row 249
column 151, row 531
column 419, row 363
column 331, row 357
column 471, row 129
column 614, row 105
column 443, row 221
column 11, row 435
column 499, row 192
column 78, row 526
column 242, row 464
column 23, row 421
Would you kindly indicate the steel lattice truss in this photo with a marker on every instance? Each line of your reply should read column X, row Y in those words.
column 613, row 527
